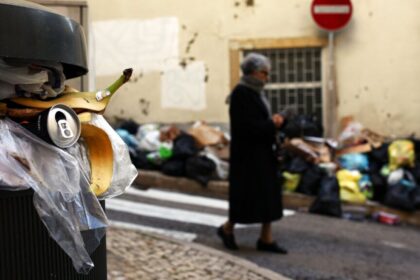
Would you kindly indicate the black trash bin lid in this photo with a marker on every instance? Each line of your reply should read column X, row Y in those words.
column 29, row 31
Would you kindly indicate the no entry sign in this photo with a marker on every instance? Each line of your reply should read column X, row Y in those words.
column 331, row 14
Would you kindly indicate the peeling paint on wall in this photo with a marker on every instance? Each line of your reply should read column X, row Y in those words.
column 184, row 87
column 145, row 45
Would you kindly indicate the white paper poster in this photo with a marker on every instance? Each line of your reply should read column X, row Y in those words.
column 184, row 88
column 145, row 45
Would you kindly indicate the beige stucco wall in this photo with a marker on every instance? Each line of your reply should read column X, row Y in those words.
column 377, row 55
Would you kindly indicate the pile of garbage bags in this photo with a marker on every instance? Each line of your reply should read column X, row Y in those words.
column 360, row 165
column 199, row 152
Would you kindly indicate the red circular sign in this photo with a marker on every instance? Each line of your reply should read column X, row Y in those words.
column 331, row 14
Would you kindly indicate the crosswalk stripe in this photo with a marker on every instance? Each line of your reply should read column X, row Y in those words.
column 181, row 235
column 165, row 212
column 181, row 198
column 188, row 199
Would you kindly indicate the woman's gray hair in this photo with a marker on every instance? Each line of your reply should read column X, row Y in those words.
column 255, row 62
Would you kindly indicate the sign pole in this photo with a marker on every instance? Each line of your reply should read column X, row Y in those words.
column 332, row 92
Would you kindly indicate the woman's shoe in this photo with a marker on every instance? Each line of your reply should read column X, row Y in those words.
column 228, row 239
column 270, row 247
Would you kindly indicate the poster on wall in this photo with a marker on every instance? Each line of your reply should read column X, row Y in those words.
column 184, row 87
column 145, row 45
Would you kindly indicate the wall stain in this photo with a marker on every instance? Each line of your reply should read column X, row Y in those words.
column 191, row 42
column 144, row 106
column 135, row 79
column 249, row 3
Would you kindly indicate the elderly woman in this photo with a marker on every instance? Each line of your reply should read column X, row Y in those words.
column 255, row 191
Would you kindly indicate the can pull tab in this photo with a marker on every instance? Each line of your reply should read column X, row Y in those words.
column 63, row 126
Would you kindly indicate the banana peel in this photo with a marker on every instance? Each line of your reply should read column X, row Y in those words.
column 87, row 101
column 101, row 158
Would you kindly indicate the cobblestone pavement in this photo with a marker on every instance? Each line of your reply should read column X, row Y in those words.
column 134, row 255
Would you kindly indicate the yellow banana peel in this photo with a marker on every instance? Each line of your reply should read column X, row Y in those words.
column 90, row 101
column 101, row 158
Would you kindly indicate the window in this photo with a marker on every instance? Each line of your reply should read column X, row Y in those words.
column 295, row 80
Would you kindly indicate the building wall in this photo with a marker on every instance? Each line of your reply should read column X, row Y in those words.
column 376, row 56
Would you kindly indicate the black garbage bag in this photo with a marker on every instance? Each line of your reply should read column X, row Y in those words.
column 416, row 197
column 200, row 168
column 174, row 167
column 328, row 199
column 310, row 181
column 139, row 159
column 184, row 147
column 379, row 156
column 400, row 196
column 130, row 125
column 298, row 165
column 380, row 186
column 302, row 125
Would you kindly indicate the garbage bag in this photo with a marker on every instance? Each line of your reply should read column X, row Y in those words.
column 140, row 161
column 328, row 199
column 200, row 168
column 302, row 125
column 349, row 186
column 380, row 186
column 400, row 196
column 291, row 181
column 131, row 126
column 184, row 147
column 354, row 161
column 298, row 165
column 222, row 167
column 174, row 167
column 310, row 180
column 128, row 138
column 401, row 154
column 124, row 172
column 62, row 196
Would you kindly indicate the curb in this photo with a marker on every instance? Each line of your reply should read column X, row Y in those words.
column 236, row 260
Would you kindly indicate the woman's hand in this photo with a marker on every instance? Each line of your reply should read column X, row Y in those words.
column 277, row 120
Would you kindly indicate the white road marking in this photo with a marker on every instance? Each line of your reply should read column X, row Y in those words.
column 393, row 244
column 332, row 9
column 180, row 235
column 181, row 198
column 188, row 199
column 165, row 212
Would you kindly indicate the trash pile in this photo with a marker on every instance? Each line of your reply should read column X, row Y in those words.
column 199, row 152
column 360, row 165
column 56, row 142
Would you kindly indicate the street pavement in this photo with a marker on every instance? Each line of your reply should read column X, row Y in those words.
column 319, row 247
column 134, row 254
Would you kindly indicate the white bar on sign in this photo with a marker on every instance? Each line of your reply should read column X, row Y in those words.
column 332, row 9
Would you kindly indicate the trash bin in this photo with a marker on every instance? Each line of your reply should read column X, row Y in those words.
column 28, row 252
column 31, row 33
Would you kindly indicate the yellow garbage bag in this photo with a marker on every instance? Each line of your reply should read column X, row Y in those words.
column 349, row 186
column 291, row 181
column 401, row 153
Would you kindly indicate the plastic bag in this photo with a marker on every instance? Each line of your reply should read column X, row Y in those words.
column 291, row 181
column 349, row 186
column 401, row 153
column 124, row 172
column 328, row 200
column 43, row 78
column 62, row 196
column 354, row 162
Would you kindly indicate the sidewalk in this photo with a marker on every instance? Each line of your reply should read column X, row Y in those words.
column 134, row 255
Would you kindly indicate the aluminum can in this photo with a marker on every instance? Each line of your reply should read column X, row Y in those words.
column 58, row 125
column 387, row 218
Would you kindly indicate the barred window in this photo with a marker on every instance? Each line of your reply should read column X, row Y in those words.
column 295, row 80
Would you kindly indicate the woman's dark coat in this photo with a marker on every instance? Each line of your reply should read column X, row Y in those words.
column 255, row 190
